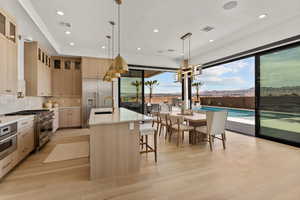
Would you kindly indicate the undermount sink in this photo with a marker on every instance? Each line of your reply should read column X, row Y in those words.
column 103, row 113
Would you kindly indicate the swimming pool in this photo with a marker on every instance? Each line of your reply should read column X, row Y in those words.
column 232, row 112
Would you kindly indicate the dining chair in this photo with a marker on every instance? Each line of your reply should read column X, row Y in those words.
column 216, row 122
column 164, row 107
column 156, row 120
column 148, row 129
column 163, row 122
column 178, row 125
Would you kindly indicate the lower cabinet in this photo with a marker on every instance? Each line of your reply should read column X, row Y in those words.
column 8, row 163
column 25, row 145
column 55, row 124
column 25, row 142
column 70, row 117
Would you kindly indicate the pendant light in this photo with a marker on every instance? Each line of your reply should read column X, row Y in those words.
column 120, row 65
column 108, row 75
column 112, row 66
column 187, row 69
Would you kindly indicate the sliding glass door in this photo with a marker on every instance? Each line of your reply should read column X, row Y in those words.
column 279, row 96
column 132, row 90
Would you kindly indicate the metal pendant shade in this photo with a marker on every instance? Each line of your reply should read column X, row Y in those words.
column 120, row 65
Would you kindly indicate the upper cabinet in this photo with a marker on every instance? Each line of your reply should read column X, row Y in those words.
column 95, row 68
column 8, row 54
column 37, row 70
column 66, row 75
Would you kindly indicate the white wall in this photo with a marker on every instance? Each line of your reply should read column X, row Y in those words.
column 230, row 46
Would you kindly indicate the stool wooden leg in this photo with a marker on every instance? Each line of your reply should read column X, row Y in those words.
column 160, row 129
column 146, row 143
column 210, row 142
column 223, row 140
column 155, row 146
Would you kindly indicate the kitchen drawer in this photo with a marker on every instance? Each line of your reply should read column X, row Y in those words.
column 25, row 142
column 25, row 123
column 7, row 163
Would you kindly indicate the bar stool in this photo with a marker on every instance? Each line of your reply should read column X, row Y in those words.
column 147, row 129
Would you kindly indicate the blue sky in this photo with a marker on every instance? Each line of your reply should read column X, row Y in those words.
column 232, row 76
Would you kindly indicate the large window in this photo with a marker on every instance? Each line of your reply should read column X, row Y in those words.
column 144, row 90
column 131, row 90
column 227, row 85
column 279, row 101
column 161, row 87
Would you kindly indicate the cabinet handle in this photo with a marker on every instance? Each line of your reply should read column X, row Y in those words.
column 8, row 90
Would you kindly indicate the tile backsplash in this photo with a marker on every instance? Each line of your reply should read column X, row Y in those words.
column 10, row 103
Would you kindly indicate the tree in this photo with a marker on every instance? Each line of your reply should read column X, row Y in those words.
column 197, row 85
column 137, row 85
column 151, row 85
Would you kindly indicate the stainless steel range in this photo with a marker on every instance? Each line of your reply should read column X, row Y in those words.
column 43, row 125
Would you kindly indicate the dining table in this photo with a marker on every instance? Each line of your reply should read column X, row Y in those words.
column 195, row 119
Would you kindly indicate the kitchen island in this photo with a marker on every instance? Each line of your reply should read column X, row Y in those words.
column 114, row 142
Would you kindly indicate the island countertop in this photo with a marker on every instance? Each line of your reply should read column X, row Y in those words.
column 120, row 115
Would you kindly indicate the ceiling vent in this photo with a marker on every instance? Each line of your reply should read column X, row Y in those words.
column 230, row 5
column 65, row 24
column 207, row 29
column 171, row 50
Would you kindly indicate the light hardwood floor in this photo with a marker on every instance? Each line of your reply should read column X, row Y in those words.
column 250, row 169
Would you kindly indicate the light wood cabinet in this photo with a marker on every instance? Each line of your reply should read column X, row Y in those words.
column 95, row 67
column 70, row 117
column 25, row 145
column 8, row 163
column 37, row 70
column 66, row 77
column 25, row 142
column 25, row 138
column 55, row 124
column 8, row 54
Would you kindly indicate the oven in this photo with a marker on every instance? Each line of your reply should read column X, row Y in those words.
column 8, row 140
column 44, row 130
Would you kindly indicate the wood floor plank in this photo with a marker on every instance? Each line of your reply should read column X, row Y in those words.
column 248, row 169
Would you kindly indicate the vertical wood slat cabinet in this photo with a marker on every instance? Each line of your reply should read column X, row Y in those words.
column 66, row 74
column 70, row 117
column 8, row 54
column 37, row 70
column 95, row 68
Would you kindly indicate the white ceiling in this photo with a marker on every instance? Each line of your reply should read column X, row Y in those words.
column 173, row 18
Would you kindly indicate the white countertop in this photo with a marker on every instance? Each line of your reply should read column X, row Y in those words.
column 11, row 119
column 120, row 115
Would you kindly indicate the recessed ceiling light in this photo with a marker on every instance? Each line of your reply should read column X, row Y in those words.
column 72, row 43
column 155, row 30
column 103, row 47
column 68, row 32
column 61, row 13
column 138, row 48
column 262, row 16
column 230, row 5
column 211, row 40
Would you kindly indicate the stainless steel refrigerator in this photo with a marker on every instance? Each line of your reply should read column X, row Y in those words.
column 95, row 94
